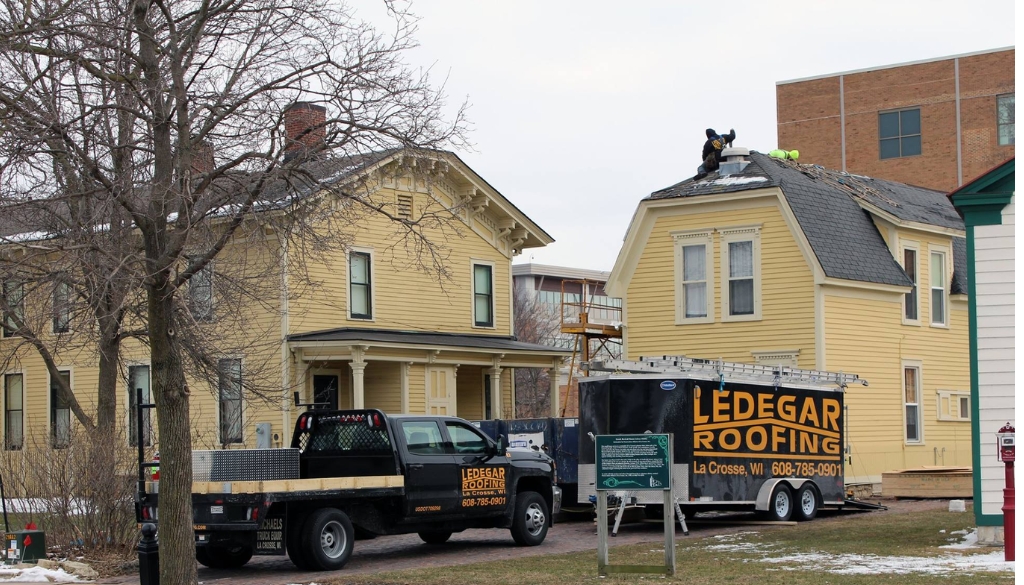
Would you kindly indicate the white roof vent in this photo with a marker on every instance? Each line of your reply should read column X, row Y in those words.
column 734, row 160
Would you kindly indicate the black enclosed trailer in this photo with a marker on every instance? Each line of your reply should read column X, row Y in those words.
column 746, row 437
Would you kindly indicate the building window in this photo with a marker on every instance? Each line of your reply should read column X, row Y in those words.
column 60, row 413
column 938, row 281
column 138, row 378
column 912, row 403
column 694, row 277
column 14, row 420
column 910, row 304
column 61, row 307
column 1004, row 115
column 230, row 398
column 741, row 274
column 360, row 304
column 483, row 296
column 14, row 295
column 200, row 294
column 953, row 405
column 899, row 133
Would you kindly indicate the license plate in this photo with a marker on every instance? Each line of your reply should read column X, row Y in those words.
column 216, row 509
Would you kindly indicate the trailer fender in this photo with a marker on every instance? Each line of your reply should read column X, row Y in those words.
column 765, row 493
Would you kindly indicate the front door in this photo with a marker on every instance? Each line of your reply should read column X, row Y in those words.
column 431, row 473
column 441, row 391
column 325, row 390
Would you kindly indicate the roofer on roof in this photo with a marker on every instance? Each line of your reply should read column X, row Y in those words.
column 712, row 153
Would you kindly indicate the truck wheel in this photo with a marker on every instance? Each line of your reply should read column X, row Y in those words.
column 435, row 537
column 293, row 543
column 780, row 506
column 530, row 523
column 327, row 539
column 223, row 557
column 806, row 502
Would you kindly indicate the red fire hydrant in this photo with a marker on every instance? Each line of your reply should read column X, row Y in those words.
column 1005, row 443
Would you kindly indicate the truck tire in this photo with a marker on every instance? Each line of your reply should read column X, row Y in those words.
column 327, row 539
column 231, row 556
column 530, row 522
column 293, row 542
column 780, row 506
column 806, row 502
column 435, row 536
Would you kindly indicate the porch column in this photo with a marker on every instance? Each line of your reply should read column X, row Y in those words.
column 553, row 375
column 358, row 367
column 404, row 374
column 495, row 374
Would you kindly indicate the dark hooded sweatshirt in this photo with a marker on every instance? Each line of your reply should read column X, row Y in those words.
column 716, row 143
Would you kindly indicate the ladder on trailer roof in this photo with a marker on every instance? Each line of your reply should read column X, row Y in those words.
column 775, row 375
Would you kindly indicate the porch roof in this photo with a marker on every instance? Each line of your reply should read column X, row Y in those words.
column 489, row 343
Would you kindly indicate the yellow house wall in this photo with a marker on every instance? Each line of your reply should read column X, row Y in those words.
column 383, row 386
column 469, row 402
column 787, row 293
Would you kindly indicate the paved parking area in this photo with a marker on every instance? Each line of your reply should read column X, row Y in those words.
column 393, row 553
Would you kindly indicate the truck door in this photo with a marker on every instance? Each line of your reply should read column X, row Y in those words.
column 431, row 473
column 482, row 478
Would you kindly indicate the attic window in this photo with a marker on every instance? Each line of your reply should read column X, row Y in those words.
column 404, row 206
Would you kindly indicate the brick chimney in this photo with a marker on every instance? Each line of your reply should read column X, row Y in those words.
column 304, row 125
column 202, row 157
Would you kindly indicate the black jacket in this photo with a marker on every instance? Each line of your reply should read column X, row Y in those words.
column 716, row 143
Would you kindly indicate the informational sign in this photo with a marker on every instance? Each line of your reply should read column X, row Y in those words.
column 633, row 462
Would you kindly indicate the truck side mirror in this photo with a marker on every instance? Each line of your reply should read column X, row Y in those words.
column 499, row 447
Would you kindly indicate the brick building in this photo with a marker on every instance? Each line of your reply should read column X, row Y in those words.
column 932, row 123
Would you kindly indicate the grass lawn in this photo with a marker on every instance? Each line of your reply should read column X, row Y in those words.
column 867, row 549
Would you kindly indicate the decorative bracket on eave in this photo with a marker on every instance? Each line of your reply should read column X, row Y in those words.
column 518, row 237
column 505, row 227
column 478, row 203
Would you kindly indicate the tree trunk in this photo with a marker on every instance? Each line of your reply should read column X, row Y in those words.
column 106, row 400
column 177, row 544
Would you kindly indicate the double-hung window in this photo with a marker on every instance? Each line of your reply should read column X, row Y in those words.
column 912, row 403
column 694, row 276
column 1004, row 117
column 14, row 297
column 937, row 276
column 483, row 295
column 910, row 303
column 359, row 285
column 230, row 399
column 200, row 293
column 899, row 133
column 61, row 307
column 14, row 412
column 60, row 413
column 741, row 273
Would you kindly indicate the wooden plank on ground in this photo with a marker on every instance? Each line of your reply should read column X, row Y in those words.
column 919, row 483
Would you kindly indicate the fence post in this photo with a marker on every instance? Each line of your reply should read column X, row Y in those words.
column 149, row 556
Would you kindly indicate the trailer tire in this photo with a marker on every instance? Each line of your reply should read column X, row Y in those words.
column 223, row 557
column 780, row 506
column 435, row 536
column 806, row 502
column 293, row 543
column 327, row 539
column 530, row 522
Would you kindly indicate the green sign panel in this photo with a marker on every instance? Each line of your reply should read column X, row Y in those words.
column 633, row 462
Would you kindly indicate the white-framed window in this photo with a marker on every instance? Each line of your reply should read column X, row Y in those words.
column 229, row 374
column 1004, row 118
column 695, row 281
column 60, row 413
column 912, row 430
column 138, row 378
column 61, row 307
column 741, row 273
column 937, row 279
column 360, row 284
column 911, row 300
column 953, row 405
column 483, row 294
column 200, row 293
column 14, row 412
column 14, row 295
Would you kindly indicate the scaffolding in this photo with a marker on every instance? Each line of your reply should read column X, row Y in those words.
column 588, row 321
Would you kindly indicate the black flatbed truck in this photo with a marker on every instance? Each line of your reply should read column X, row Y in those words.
column 361, row 474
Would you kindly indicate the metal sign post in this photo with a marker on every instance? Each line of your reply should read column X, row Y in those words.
column 631, row 463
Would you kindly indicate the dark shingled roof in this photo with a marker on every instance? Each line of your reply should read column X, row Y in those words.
column 494, row 342
column 841, row 233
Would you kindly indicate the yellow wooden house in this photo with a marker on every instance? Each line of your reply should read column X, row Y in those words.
column 772, row 262
column 363, row 328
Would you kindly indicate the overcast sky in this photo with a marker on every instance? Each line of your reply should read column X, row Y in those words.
column 581, row 109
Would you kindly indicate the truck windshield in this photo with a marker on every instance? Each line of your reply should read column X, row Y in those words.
column 348, row 437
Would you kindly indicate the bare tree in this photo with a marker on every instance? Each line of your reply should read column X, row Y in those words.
column 533, row 322
column 113, row 104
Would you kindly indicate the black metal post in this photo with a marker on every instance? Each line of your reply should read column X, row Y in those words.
column 138, row 441
column 149, row 556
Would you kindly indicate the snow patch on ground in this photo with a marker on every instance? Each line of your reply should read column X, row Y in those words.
column 737, row 180
column 36, row 575
column 970, row 540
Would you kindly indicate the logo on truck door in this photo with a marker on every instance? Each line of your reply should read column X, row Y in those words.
column 483, row 486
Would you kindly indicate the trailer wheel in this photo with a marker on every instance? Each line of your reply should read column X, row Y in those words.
column 806, row 502
column 293, row 542
column 327, row 539
column 223, row 557
column 530, row 523
column 435, row 536
column 780, row 506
